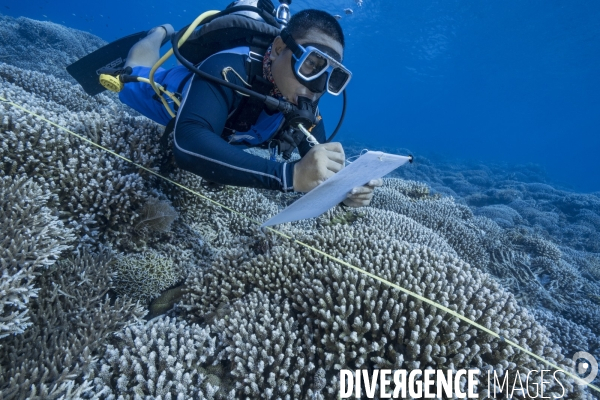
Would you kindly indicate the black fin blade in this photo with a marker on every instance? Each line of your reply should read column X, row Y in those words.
column 113, row 55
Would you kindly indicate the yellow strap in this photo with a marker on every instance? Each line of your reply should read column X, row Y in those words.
column 340, row 261
column 169, row 53
column 171, row 95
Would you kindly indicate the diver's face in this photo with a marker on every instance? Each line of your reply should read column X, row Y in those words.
column 281, row 65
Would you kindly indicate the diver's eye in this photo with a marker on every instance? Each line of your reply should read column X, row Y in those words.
column 313, row 64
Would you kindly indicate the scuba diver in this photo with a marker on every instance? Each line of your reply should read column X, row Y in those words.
column 302, row 62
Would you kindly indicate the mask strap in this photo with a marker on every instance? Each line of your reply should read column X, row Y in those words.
column 291, row 43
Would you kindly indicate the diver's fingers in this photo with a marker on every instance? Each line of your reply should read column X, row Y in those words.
column 375, row 183
column 361, row 196
column 334, row 166
column 356, row 203
column 360, row 190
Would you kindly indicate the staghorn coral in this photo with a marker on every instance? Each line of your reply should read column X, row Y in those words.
column 32, row 239
column 158, row 359
column 143, row 276
column 263, row 342
column 71, row 319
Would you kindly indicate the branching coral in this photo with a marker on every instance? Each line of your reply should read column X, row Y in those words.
column 264, row 344
column 443, row 215
column 32, row 239
column 356, row 322
column 503, row 215
column 159, row 359
column 71, row 319
column 98, row 195
column 143, row 276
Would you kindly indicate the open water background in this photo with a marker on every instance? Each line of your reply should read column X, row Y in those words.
column 511, row 82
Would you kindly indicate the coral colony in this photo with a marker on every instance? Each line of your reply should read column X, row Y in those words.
column 89, row 241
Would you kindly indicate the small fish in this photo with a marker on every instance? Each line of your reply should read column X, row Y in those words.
column 45, row 16
column 74, row 15
column 7, row 7
column 102, row 15
column 337, row 16
column 359, row 3
column 348, row 11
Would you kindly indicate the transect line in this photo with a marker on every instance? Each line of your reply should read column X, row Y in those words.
column 338, row 260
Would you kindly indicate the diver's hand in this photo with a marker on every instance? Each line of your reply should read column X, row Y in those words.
column 361, row 196
column 320, row 163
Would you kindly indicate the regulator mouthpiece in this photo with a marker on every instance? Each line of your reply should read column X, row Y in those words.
column 303, row 114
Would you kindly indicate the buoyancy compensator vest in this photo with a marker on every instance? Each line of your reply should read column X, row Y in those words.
column 239, row 29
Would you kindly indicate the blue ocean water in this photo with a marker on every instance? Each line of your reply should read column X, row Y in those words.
column 491, row 81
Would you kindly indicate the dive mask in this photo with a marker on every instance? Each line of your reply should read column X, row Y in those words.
column 317, row 67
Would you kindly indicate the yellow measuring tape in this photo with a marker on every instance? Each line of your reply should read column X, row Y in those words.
column 340, row 261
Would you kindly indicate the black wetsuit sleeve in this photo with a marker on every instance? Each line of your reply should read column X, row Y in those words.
column 198, row 146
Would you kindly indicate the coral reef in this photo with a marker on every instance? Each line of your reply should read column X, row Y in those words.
column 349, row 321
column 259, row 315
column 26, row 42
column 159, row 359
column 32, row 240
column 446, row 217
column 264, row 344
column 97, row 194
column 71, row 319
column 144, row 276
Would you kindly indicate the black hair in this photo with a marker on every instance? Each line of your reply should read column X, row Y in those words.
column 304, row 20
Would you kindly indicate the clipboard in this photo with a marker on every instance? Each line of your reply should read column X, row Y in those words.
column 369, row 166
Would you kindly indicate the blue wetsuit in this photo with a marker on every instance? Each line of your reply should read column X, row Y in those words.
column 201, row 118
